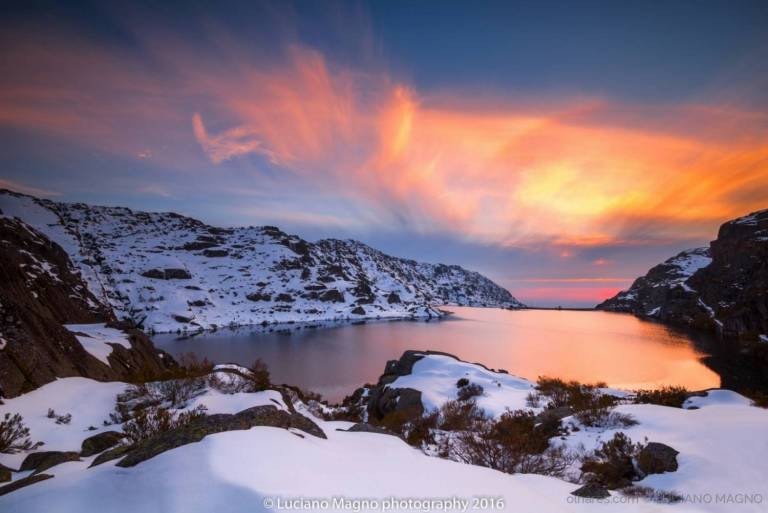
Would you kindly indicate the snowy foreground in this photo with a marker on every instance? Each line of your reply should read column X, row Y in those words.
column 723, row 458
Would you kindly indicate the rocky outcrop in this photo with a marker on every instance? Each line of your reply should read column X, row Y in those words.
column 21, row 483
column 722, row 288
column 100, row 443
column 40, row 291
column 40, row 461
column 168, row 272
column 381, row 399
column 210, row 424
column 657, row 458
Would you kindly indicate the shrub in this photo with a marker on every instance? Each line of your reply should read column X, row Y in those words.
column 533, row 400
column 652, row 494
column 460, row 415
column 590, row 406
column 151, row 421
column 469, row 391
column 14, row 435
column 612, row 464
column 419, row 431
column 672, row 396
column 191, row 366
column 513, row 443
column 258, row 376
column 462, row 382
column 178, row 392
column 60, row 419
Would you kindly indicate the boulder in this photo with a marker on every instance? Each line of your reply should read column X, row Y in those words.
column 5, row 474
column 21, row 483
column 210, row 424
column 393, row 298
column 258, row 296
column 111, row 454
column 592, row 491
column 332, row 295
column 167, row 274
column 656, row 458
column 359, row 310
column 386, row 400
column 364, row 427
column 39, row 461
column 215, row 253
column 100, row 443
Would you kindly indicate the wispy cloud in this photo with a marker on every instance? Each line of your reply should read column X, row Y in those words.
column 565, row 176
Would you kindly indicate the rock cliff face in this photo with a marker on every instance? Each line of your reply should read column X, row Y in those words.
column 40, row 291
column 168, row 272
column 722, row 288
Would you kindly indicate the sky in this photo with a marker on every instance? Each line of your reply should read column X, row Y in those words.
column 560, row 148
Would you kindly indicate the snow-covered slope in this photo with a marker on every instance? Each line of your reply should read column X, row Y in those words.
column 177, row 273
column 722, row 288
column 723, row 457
column 648, row 294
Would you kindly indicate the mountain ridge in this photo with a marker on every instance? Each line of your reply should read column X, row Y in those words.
column 168, row 272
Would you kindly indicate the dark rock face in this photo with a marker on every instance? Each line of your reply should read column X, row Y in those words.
column 215, row 253
column 384, row 401
column 656, row 458
column 723, row 288
column 167, row 274
column 364, row 427
column 332, row 295
column 199, row 429
column 39, row 461
column 40, row 291
column 21, row 483
column 592, row 491
column 99, row 443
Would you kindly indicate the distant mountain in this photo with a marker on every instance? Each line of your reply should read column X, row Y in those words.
column 169, row 272
column 722, row 288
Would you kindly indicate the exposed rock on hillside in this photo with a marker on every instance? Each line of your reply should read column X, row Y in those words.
column 168, row 272
column 40, row 291
column 722, row 288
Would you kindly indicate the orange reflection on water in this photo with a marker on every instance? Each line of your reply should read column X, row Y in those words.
column 619, row 349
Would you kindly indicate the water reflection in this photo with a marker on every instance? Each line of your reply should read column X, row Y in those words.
column 587, row 346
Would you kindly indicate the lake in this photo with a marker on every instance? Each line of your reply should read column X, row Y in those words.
column 587, row 346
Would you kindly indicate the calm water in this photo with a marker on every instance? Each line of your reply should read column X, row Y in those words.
column 587, row 346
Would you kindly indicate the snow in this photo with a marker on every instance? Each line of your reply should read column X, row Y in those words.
column 95, row 338
column 721, row 444
column 722, row 449
column 717, row 397
column 436, row 376
column 89, row 402
column 218, row 402
column 113, row 247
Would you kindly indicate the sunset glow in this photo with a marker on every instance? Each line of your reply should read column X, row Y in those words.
column 566, row 175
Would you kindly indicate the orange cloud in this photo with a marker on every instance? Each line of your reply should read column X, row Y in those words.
column 576, row 174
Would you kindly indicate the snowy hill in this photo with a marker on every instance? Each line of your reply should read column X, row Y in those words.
column 722, row 457
column 176, row 273
column 722, row 288
column 664, row 282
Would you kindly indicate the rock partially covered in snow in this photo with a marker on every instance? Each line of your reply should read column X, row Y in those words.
column 172, row 272
column 722, row 288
